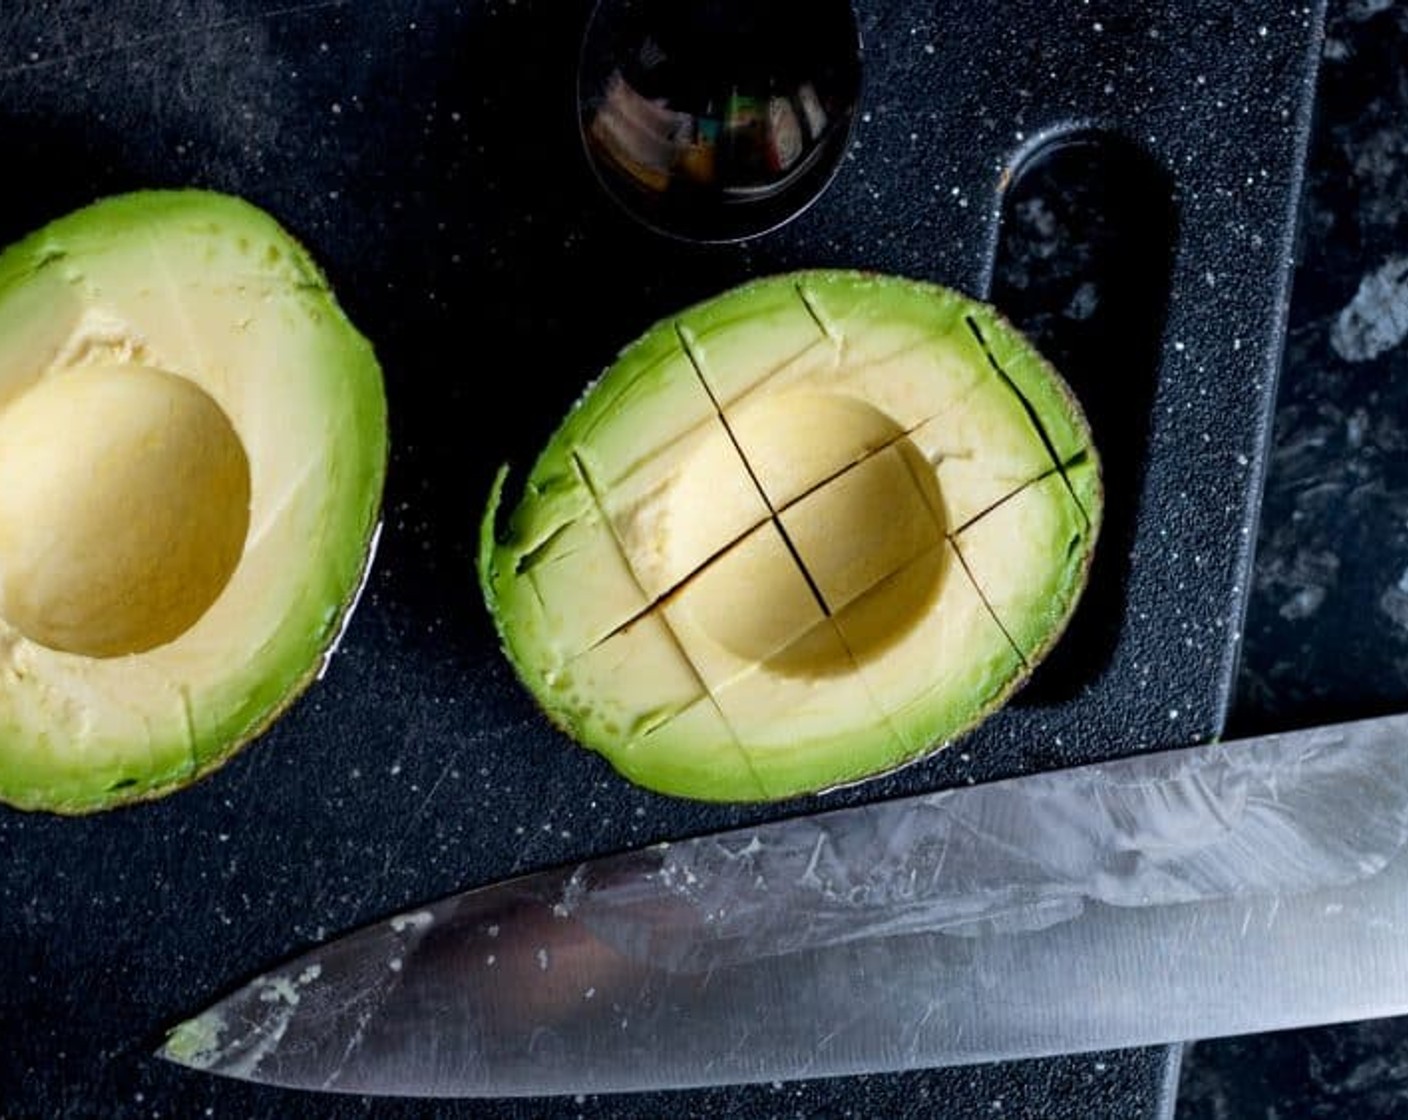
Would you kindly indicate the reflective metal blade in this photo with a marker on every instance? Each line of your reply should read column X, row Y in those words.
column 1218, row 890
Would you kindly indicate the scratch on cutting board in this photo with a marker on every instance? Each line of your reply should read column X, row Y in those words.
column 394, row 851
column 64, row 57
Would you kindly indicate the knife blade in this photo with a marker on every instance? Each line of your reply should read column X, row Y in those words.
column 1215, row 890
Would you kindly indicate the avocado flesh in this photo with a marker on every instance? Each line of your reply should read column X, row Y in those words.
column 237, row 490
column 851, row 515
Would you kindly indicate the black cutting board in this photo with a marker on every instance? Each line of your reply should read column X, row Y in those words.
column 427, row 154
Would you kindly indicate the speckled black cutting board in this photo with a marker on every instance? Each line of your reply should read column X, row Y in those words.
column 426, row 153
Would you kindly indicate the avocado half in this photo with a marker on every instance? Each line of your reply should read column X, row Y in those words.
column 192, row 450
column 798, row 535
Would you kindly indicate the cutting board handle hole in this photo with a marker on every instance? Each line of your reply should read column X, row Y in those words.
column 1084, row 266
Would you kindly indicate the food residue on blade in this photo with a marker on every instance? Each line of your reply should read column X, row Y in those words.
column 420, row 920
column 196, row 1042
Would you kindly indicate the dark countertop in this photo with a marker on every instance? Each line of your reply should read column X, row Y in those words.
column 1327, row 634
column 1327, row 626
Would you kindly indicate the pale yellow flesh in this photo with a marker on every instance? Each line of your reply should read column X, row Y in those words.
column 779, row 566
column 679, row 508
column 630, row 683
column 953, row 646
column 1004, row 552
column 583, row 584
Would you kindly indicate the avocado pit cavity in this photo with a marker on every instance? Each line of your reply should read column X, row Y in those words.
column 853, row 502
column 124, row 507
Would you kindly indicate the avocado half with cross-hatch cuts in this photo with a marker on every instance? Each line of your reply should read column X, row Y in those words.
column 192, row 449
column 796, row 536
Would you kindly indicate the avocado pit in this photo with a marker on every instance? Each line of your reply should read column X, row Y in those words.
column 119, row 536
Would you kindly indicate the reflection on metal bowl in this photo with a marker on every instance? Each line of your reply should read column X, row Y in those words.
column 718, row 120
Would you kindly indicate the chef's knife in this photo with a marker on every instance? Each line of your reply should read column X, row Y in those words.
column 1217, row 890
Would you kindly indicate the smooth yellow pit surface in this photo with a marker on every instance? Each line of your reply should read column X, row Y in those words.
column 118, row 536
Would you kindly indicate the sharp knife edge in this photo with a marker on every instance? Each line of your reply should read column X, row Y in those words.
column 1215, row 890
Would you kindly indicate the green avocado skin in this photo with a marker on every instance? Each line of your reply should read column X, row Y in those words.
column 693, row 748
column 59, row 752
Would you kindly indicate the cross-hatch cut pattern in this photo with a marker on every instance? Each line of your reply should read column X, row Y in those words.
column 896, row 440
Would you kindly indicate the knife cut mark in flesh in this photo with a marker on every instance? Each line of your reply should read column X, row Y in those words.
column 748, row 466
column 1032, row 414
column 826, row 327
